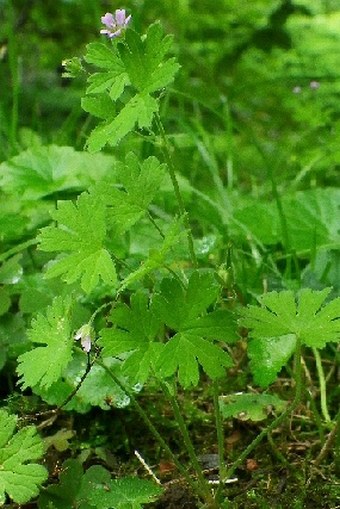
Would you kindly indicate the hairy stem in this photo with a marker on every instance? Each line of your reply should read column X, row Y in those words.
column 188, row 443
column 172, row 173
column 220, row 439
column 322, row 384
column 276, row 422
column 17, row 249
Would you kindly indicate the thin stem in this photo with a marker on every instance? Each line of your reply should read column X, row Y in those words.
column 220, row 439
column 205, row 489
column 276, row 422
column 151, row 427
column 322, row 384
column 172, row 173
column 316, row 414
column 328, row 445
column 13, row 65
column 18, row 248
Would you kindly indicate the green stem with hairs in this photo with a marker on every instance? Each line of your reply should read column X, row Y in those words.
column 204, row 486
column 17, row 249
column 174, row 181
column 220, row 439
column 322, row 384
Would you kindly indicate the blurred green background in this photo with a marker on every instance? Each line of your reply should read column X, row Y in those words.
column 259, row 84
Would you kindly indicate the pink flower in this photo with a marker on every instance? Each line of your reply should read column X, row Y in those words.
column 84, row 334
column 115, row 23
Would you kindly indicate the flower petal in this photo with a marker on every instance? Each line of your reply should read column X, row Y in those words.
column 120, row 17
column 108, row 20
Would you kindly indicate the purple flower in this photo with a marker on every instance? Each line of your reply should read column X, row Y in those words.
column 84, row 334
column 115, row 23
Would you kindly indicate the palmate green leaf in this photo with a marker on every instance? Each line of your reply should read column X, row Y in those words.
column 95, row 489
column 134, row 331
column 138, row 111
column 128, row 204
column 139, row 63
column 44, row 364
column 281, row 319
column 113, row 77
column 184, row 311
column 144, row 59
column 177, row 305
column 19, row 477
column 81, row 231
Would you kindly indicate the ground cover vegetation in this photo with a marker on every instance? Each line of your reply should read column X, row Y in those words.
column 170, row 254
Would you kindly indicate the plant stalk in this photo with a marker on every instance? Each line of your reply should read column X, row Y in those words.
column 172, row 173
column 220, row 440
column 322, row 384
column 204, row 486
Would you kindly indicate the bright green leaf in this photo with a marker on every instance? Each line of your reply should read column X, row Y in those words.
column 138, row 111
column 19, row 478
column 103, row 57
column 100, row 106
column 81, row 231
column 157, row 258
column 268, row 356
column 184, row 310
column 43, row 365
column 134, row 331
column 144, row 59
column 125, row 493
column 140, row 181
column 43, row 170
column 282, row 313
column 281, row 318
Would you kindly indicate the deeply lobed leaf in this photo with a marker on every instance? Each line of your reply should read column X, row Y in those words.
column 81, row 231
column 19, row 478
column 281, row 319
column 44, row 365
